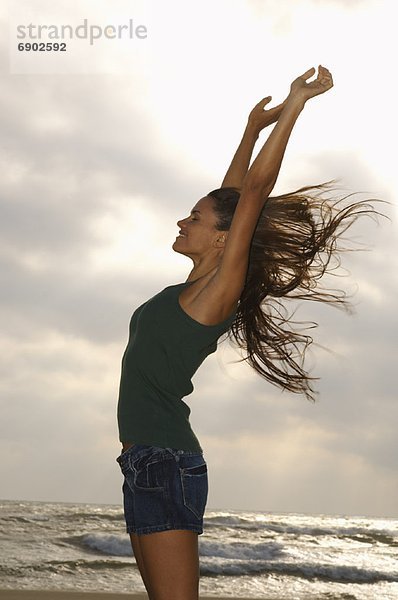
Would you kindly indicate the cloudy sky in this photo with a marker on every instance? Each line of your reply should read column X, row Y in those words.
column 102, row 150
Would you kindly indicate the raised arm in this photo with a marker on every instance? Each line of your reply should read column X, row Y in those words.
column 260, row 181
column 216, row 300
column 257, row 121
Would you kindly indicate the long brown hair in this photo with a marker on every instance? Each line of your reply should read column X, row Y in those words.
column 294, row 245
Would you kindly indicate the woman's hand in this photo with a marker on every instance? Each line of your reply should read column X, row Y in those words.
column 301, row 90
column 260, row 118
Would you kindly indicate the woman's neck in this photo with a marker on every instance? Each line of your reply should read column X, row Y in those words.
column 202, row 272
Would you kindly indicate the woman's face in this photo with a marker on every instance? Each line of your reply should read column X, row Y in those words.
column 198, row 233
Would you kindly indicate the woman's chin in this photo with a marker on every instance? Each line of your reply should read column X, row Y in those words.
column 177, row 247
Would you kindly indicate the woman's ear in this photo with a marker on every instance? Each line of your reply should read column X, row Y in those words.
column 221, row 239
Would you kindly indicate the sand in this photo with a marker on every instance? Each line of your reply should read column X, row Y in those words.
column 55, row 595
column 49, row 595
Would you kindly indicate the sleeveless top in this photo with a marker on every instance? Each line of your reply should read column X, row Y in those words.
column 165, row 348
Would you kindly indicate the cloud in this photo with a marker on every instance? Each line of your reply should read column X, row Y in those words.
column 96, row 171
column 292, row 471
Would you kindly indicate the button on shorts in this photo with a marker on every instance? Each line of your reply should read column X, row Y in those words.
column 163, row 489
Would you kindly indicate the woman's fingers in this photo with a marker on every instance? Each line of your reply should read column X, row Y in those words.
column 324, row 75
column 308, row 89
column 261, row 117
column 265, row 101
column 308, row 73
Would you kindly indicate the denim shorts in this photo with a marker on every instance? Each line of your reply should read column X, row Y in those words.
column 163, row 489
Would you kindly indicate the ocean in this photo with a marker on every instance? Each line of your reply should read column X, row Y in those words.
column 60, row 546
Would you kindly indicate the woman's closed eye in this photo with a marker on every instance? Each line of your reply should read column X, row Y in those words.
column 195, row 215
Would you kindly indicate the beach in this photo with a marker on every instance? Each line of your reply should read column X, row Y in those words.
column 54, row 595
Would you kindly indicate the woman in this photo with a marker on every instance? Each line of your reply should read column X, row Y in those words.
column 245, row 247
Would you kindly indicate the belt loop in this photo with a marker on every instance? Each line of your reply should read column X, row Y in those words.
column 174, row 453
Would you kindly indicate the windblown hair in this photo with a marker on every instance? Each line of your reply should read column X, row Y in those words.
column 294, row 245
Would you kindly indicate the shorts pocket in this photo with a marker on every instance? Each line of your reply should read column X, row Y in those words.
column 194, row 488
column 148, row 472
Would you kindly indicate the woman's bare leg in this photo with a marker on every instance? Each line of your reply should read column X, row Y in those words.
column 135, row 542
column 169, row 564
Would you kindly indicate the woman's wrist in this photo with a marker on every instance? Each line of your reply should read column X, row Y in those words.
column 295, row 100
column 293, row 107
column 252, row 131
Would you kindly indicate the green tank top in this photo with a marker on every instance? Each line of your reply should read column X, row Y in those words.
column 165, row 348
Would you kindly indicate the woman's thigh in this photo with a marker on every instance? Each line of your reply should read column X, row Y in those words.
column 135, row 543
column 171, row 564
